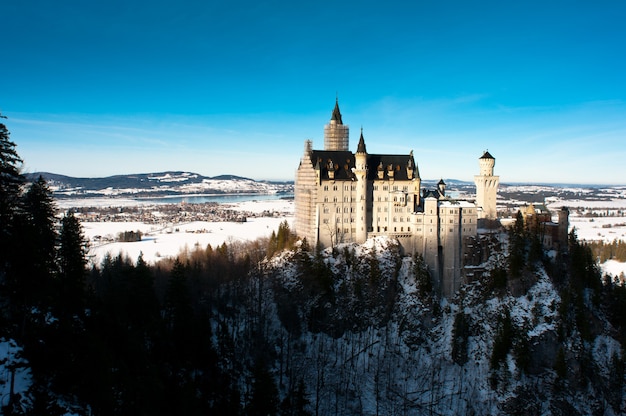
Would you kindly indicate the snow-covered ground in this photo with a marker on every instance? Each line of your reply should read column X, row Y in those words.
column 167, row 241
column 160, row 241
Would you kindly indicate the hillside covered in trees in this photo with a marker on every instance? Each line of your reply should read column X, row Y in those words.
column 277, row 327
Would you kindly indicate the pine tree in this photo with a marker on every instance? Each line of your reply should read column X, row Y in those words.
column 264, row 400
column 11, row 181
column 71, row 262
column 36, row 246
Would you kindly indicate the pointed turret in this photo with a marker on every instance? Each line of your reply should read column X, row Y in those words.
column 336, row 116
column 336, row 134
column 360, row 174
column 441, row 186
column 361, row 146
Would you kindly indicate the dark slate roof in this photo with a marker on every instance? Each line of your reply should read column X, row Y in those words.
column 361, row 147
column 342, row 163
column 441, row 182
column 336, row 113
column 487, row 155
column 399, row 162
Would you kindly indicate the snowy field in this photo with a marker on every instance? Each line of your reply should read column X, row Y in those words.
column 160, row 241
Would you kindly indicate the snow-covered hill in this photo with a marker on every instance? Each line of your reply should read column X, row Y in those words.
column 159, row 184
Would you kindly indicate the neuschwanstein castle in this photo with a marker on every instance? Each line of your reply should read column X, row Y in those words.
column 342, row 196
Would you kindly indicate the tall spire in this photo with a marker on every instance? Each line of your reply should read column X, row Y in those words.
column 336, row 134
column 336, row 116
column 361, row 146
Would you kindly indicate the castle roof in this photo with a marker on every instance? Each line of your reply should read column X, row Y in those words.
column 342, row 163
column 399, row 164
column 336, row 116
column 487, row 155
column 361, row 147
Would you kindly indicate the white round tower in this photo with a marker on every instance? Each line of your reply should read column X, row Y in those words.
column 486, row 187
column 360, row 171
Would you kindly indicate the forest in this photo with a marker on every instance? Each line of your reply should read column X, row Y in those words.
column 276, row 327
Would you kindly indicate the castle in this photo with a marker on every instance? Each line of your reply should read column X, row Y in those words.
column 342, row 196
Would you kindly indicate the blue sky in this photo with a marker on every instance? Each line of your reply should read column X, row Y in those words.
column 235, row 87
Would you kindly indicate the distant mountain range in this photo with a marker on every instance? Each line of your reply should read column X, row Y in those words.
column 158, row 184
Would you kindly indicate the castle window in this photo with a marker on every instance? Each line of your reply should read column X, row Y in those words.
column 451, row 230
column 405, row 188
column 325, row 220
column 346, row 188
column 395, row 187
column 386, row 209
column 408, row 229
column 326, row 210
column 338, row 220
column 335, row 199
column 385, row 188
column 325, row 199
column 334, row 187
column 326, row 187
column 394, row 219
column 338, row 210
column 376, row 187
column 401, row 229
column 451, row 221
column 394, row 229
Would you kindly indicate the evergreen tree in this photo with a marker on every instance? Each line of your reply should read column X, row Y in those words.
column 517, row 249
column 264, row 400
column 422, row 275
column 11, row 181
column 36, row 244
column 72, row 263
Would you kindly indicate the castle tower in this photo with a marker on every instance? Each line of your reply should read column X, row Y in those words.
column 305, row 196
column 441, row 186
column 564, row 229
column 336, row 134
column 487, row 187
column 360, row 171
